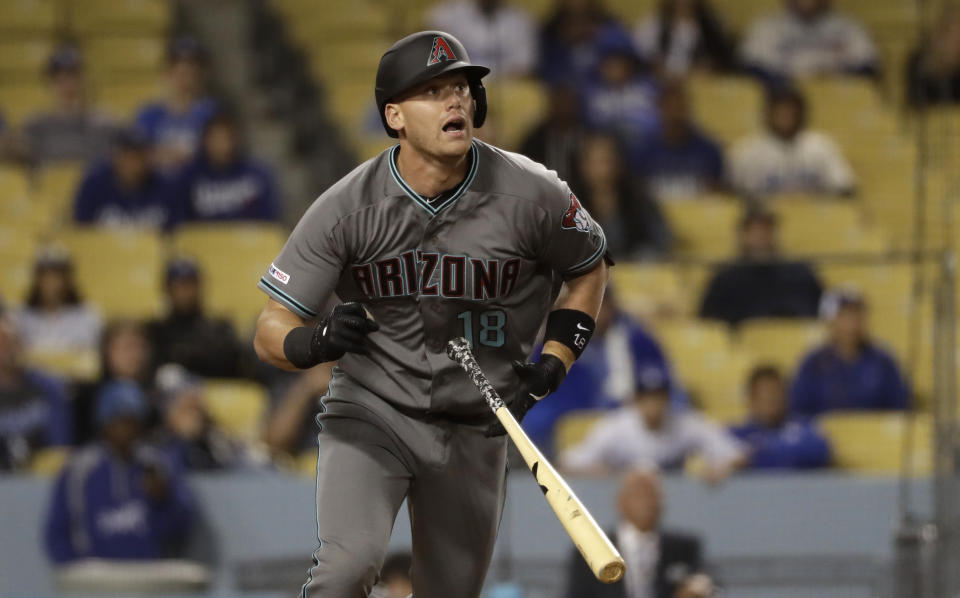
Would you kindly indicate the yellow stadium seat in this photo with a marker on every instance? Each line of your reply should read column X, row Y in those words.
column 572, row 428
column 17, row 247
column 728, row 107
column 631, row 12
column 18, row 206
column 49, row 461
column 813, row 226
column 118, row 271
column 738, row 15
column 33, row 16
column 233, row 258
column 83, row 366
column 648, row 290
column 872, row 443
column 123, row 100
column 21, row 101
column 238, row 406
column 24, row 59
column 111, row 58
column 56, row 187
column 305, row 463
column 850, row 108
column 704, row 227
column 780, row 342
column 120, row 17
column 516, row 106
column 708, row 365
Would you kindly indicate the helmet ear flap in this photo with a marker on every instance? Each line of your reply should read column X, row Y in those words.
column 479, row 93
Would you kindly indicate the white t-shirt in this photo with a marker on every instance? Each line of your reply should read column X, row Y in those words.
column 76, row 327
column 785, row 44
column 641, row 553
column 621, row 440
column 504, row 41
column 678, row 57
column 809, row 163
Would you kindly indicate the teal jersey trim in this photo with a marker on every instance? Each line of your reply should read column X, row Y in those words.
column 423, row 202
column 298, row 308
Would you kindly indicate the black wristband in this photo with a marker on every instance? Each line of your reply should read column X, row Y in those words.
column 571, row 328
column 298, row 347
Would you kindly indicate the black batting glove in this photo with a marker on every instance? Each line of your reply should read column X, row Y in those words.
column 537, row 380
column 344, row 330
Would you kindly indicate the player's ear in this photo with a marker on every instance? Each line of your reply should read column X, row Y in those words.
column 394, row 116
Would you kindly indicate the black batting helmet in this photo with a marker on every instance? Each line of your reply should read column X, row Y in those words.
column 423, row 56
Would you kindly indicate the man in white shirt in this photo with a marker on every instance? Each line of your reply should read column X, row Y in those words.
column 500, row 36
column 788, row 157
column 808, row 38
column 648, row 433
column 660, row 563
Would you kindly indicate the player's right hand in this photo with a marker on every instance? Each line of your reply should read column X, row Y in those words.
column 344, row 330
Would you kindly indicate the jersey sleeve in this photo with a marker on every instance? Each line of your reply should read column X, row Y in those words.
column 573, row 243
column 308, row 268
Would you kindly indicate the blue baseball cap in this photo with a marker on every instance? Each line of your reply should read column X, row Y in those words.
column 120, row 399
column 64, row 59
column 185, row 48
column 182, row 267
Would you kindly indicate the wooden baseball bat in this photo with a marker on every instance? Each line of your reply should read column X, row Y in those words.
column 597, row 550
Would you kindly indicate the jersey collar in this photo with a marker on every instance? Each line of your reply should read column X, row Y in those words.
column 434, row 208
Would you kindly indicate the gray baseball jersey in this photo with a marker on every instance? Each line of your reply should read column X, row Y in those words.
column 485, row 261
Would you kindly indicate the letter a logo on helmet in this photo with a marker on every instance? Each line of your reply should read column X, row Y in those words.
column 576, row 217
column 440, row 51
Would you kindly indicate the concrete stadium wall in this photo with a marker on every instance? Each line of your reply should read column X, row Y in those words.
column 750, row 522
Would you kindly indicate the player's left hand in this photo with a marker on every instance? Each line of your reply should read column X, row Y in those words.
column 537, row 380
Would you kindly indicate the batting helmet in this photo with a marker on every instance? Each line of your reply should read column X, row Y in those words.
column 423, row 56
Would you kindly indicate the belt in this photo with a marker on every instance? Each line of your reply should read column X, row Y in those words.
column 466, row 419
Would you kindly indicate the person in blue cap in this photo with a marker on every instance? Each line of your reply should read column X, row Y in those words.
column 118, row 499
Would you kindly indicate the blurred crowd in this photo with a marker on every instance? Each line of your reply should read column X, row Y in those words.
column 619, row 127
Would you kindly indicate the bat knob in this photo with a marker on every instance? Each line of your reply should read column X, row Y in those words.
column 612, row 572
column 456, row 346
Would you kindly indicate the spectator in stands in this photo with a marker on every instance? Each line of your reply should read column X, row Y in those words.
column 933, row 69
column 174, row 125
column 631, row 219
column 648, row 432
column 659, row 563
column 186, row 334
column 71, row 129
column 808, row 38
column 554, row 141
column 291, row 428
column 571, row 39
column 124, row 356
column 682, row 36
column 498, row 34
column 761, row 283
column 189, row 435
column 125, row 191
column 620, row 96
column 604, row 375
column 679, row 161
column 55, row 318
column 395, row 575
column 34, row 408
column 788, row 157
column 223, row 182
column 850, row 371
column 118, row 499
column 775, row 439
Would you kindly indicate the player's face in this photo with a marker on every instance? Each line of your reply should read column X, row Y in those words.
column 437, row 116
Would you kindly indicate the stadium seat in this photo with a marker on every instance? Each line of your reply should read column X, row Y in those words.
column 649, row 290
column 233, row 258
column 56, row 186
column 704, row 227
column 21, row 101
column 572, row 428
column 120, row 17
column 18, row 206
column 738, row 15
column 113, row 58
column 123, row 100
column 872, row 443
column 118, row 271
column 238, row 406
column 811, row 225
column 779, row 342
column 516, row 105
column 17, row 249
column 708, row 365
column 728, row 107
column 24, row 60
column 29, row 16
column 49, row 461
column 81, row 366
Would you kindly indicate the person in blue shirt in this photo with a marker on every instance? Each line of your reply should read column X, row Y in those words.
column 571, row 39
column 174, row 125
column 774, row 439
column 679, row 161
column 125, row 191
column 118, row 499
column 604, row 377
column 223, row 182
column 34, row 407
column 850, row 371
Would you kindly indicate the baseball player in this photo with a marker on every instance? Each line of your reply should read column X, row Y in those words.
column 440, row 236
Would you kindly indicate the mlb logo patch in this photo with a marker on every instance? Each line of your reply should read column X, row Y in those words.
column 279, row 274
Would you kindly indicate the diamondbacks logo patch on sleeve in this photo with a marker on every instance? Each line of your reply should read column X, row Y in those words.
column 279, row 274
column 440, row 51
column 576, row 217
